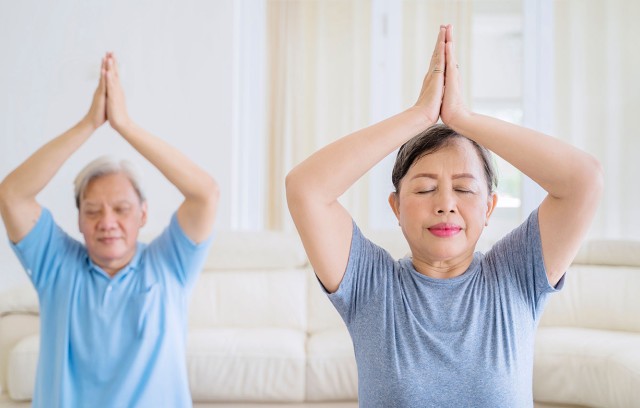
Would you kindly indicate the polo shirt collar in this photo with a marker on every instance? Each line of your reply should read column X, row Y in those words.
column 132, row 265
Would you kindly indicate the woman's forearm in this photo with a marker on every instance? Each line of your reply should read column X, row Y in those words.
column 559, row 168
column 328, row 173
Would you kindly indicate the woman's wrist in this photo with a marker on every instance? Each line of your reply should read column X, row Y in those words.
column 421, row 119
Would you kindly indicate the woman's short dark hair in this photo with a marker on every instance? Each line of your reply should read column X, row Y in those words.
column 430, row 141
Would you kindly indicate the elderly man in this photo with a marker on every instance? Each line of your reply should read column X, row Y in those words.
column 113, row 311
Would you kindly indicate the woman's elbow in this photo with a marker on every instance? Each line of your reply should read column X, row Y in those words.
column 292, row 185
column 591, row 177
column 597, row 175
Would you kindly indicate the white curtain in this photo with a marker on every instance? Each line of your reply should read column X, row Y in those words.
column 318, row 89
column 597, row 66
column 421, row 19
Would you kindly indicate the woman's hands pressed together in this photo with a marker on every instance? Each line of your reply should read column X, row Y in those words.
column 441, row 94
column 430, row 99
column 453, row 106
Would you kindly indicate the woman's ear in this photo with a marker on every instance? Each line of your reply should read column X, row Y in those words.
column 394, row 202
column 492, row 201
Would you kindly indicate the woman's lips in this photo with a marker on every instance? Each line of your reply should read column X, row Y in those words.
column 444, row 230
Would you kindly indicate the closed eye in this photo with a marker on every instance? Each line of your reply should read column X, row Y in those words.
column 426, row 191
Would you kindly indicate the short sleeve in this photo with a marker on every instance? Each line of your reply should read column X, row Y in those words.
column 184, row 257
column 368, row 268
column 42, row 251
column 519, row 264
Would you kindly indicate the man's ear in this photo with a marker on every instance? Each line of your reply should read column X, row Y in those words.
column 394, row 202
column 143, row 210
column 492, row 201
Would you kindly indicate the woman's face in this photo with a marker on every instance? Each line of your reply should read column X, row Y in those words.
column 443, row 205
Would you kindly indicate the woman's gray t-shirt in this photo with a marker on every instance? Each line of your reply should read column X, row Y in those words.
column 460, row 342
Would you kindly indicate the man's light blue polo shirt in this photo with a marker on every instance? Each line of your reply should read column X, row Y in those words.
column 111, row 342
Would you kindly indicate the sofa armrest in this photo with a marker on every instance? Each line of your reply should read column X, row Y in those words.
column 23, row 299
column 13, row 328
column 19, row 311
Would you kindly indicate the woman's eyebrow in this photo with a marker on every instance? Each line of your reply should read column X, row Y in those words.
column 435, row 176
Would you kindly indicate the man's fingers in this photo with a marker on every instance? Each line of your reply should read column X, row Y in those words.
column 113, row 63
column 101, row 83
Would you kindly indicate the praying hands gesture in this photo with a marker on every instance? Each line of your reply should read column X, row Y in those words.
column 108, row 99
column 18, row 191
column 197, row 213
column 441, row 96
column 313, row 187
column 571, row 177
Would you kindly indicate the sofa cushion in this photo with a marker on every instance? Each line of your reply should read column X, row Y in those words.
column 322, row 314
column 250, row 298
column 21, row 368
column 13, row 328
column 238, row 364
column 23, row 299
column 596, row 297
column 241, row 250
column 587, row 367
column 609, row 252
column 331, row 366
column 223, row 365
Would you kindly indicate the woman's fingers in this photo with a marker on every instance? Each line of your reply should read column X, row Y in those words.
column 438, row 58
column 452, row 76
column 453, row 106
column 430, row 97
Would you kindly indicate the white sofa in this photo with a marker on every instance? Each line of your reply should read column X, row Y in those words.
column 262, row 331
column 588, row 342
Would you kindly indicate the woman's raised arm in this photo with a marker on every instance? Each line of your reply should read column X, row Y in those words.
column 313, row 187
column 572, row 178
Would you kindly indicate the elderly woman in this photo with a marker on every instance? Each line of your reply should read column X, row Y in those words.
column 447, row 327
column 113, row 311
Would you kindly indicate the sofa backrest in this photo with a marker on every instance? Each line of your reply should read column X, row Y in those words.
column 252, row 280
column 602, row 289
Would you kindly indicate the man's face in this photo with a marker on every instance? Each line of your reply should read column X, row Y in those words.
column 110, row 218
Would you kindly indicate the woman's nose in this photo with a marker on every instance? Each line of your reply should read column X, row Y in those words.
column 445, row 203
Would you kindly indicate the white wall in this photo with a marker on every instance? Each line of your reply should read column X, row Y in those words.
column 177, row 68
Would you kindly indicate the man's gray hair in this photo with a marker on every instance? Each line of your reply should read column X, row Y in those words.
column 103, row 166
